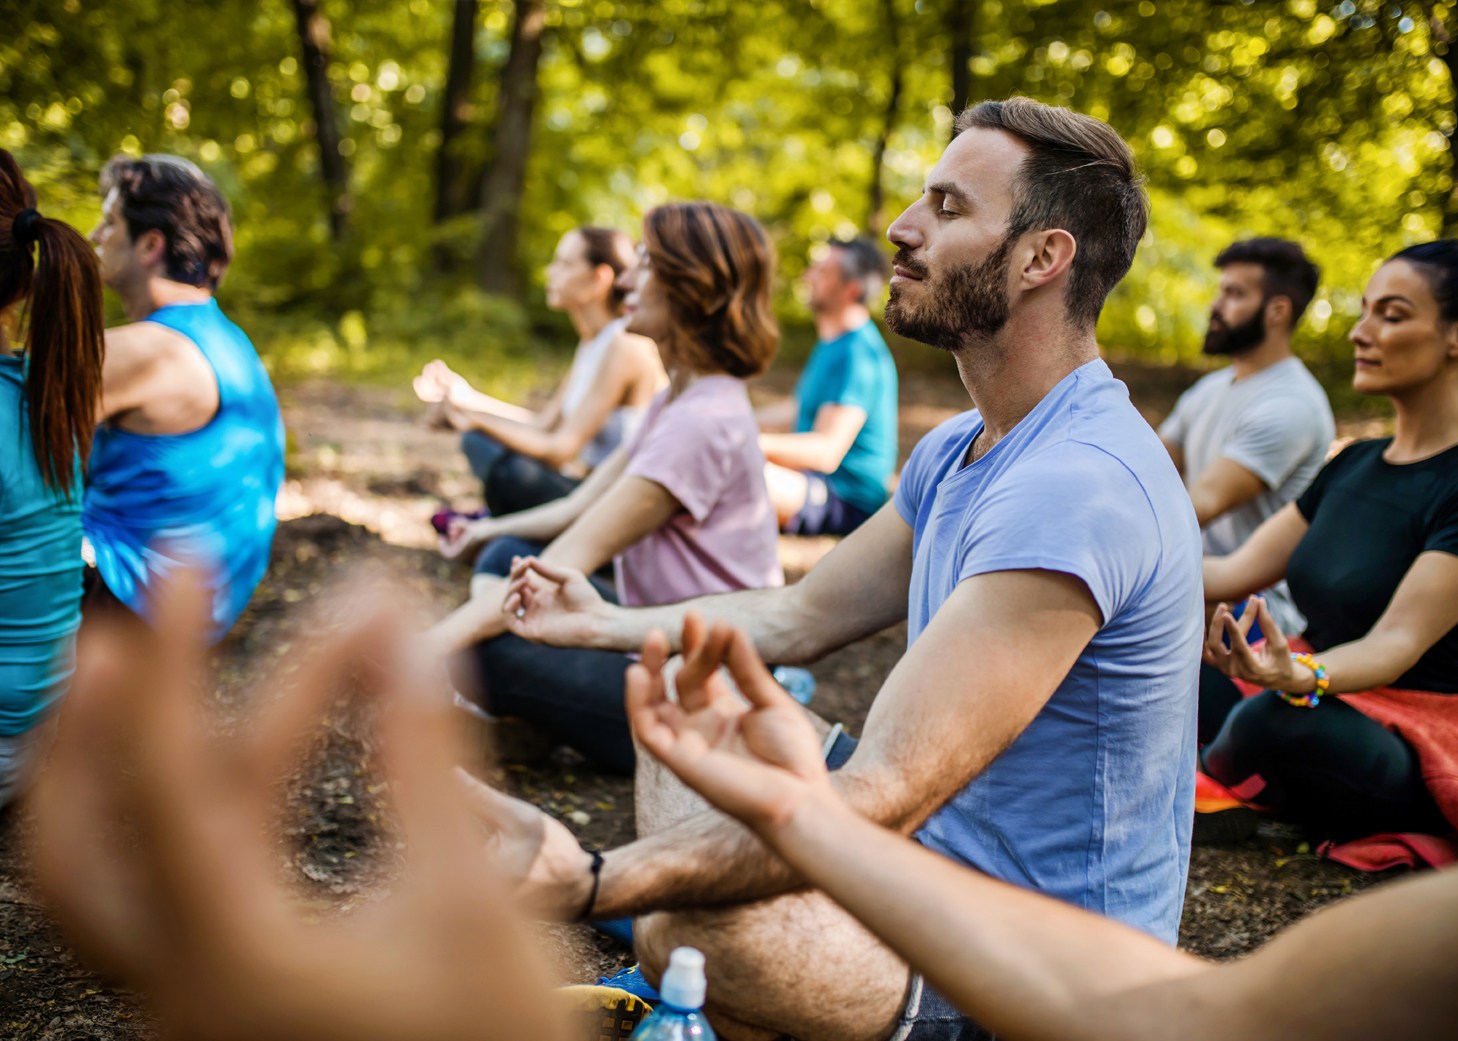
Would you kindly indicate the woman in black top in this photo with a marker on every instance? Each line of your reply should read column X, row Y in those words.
column 1370, row 552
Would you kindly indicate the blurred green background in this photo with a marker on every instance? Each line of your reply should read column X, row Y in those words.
column 401, row 169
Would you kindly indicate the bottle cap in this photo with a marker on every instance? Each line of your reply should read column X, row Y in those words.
column 683, row 984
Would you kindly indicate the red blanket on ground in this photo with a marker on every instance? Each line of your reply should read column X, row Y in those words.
column 1428, row 722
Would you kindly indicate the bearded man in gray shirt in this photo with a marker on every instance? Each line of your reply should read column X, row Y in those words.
column 1248, row 438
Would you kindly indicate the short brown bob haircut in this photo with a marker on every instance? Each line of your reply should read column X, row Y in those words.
column 716, row 266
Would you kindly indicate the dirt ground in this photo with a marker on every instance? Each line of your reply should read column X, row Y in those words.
column 364, row 478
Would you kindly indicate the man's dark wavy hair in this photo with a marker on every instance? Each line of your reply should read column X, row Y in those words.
column 168, row 194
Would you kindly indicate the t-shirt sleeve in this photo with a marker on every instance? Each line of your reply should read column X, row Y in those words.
column 1274, row 438
column 920, row 473
column 1443, row 534
column 692, row 456
column 1176, row 424
column 1082, row 513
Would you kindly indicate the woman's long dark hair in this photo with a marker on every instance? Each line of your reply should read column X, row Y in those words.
column 61, row 287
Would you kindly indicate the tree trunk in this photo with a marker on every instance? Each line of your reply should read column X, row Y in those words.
column 314, row 38
column 875, row 211
column 959, row 38
column 452, row 179
column 501, row 191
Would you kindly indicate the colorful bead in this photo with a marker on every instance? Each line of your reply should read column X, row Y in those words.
column 1323, row 683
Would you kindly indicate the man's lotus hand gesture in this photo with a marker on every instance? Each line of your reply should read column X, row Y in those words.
column 756, row 756
column 552, row 605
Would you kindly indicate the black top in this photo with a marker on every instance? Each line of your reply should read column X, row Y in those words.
column 1369, row 521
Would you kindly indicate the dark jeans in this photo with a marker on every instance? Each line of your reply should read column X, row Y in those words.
column 575, row 694
column 512, row 481
column 1329, row 769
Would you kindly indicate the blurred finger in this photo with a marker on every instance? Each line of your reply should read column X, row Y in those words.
column 751, row 674
column 422, row 740
column 78, row 801
column 655, row 651
column 700, row 665
column 303, row 688
column 694, row 629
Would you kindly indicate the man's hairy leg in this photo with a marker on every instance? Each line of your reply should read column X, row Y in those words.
column 793, row 965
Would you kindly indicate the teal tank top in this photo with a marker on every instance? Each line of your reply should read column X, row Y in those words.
column 40, row 569
column 154, row 501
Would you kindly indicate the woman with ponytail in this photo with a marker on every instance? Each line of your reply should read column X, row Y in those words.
column 50, row 294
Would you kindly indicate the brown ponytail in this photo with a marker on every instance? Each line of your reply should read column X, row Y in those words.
column 63, row 319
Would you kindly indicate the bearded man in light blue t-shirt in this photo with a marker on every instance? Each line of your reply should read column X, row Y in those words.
column 1041, row 725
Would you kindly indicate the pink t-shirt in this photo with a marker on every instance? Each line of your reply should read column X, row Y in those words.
column 703, row 447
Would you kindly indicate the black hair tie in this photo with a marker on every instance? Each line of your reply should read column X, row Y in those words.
column 25, row 229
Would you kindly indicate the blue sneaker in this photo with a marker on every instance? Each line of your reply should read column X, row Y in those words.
column 634, row 982
column 619, row 929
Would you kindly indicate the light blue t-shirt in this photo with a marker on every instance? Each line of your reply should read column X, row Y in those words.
column 855, row 369
column 40, row 569
column 1093, row 802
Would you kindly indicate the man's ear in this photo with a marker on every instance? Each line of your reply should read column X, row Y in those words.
column 1052, row 254
column 1278, row 313
column 151, row 247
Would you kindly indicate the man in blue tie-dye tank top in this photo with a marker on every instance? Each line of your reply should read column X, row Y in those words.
column 188, row 454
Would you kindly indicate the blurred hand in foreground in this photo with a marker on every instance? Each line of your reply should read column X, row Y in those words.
column 155, row 850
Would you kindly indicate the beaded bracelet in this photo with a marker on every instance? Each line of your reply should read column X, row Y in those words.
column 1322, row 682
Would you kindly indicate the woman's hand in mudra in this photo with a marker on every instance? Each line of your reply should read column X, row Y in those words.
column 1269, row 664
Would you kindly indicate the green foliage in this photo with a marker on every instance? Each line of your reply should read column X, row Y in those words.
column 1324, row 121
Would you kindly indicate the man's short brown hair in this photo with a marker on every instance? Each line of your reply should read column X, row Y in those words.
column 169, row 194
column 1079, row 176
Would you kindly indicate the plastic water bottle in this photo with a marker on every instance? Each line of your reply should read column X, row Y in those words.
column 797, row 681
column 679, row 1015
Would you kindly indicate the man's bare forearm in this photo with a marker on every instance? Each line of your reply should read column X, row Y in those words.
column 782, row 628
column 711, row 859
column 1019, row 963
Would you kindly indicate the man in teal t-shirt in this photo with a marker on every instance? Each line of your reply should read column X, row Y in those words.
column 831, row 451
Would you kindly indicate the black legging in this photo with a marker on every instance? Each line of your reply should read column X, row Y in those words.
column 574, row 694
column 1330, row 769
column 512, row 481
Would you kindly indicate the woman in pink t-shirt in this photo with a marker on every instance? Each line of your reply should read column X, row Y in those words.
column 680, row 511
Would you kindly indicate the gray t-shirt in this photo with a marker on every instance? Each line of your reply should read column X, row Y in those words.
column 1277, row 424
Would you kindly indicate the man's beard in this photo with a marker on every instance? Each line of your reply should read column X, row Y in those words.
column 967, row 303
column 1237, row 339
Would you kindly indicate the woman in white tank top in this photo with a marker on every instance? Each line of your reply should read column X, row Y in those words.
column 525, row 458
